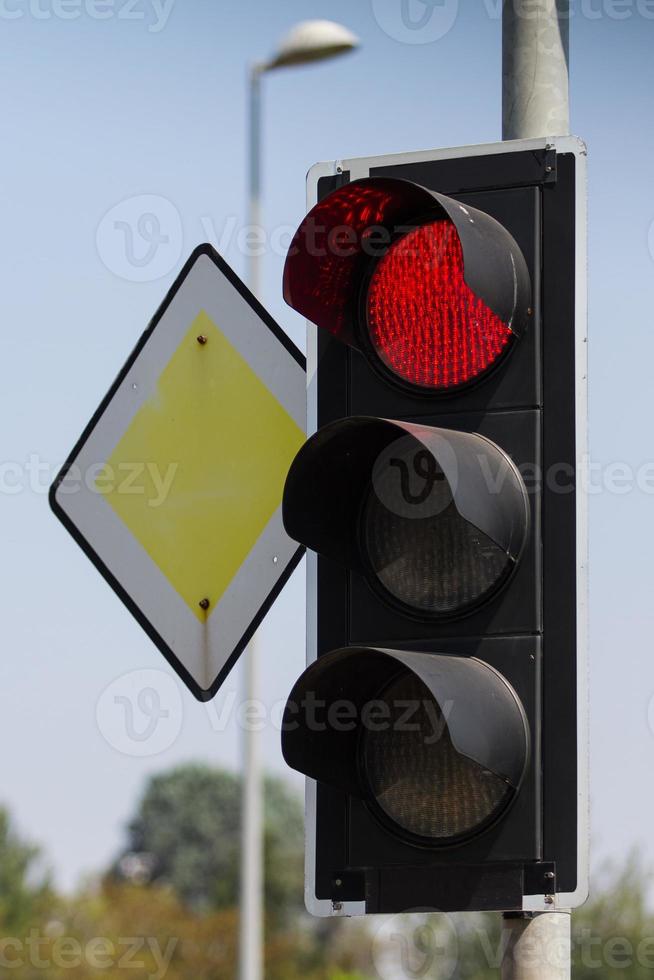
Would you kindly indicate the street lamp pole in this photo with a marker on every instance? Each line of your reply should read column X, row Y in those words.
column 308, row 41
column 254, row 157
column 251, row 898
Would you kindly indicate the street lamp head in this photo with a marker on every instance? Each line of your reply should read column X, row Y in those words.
column 312, row 40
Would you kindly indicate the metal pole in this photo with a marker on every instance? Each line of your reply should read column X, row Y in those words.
column 254, row 178
column 251, row 898
column 535, row 58
column 535, row 102
column 536, row 946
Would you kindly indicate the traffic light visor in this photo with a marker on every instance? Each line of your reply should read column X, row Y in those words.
column 437, row 745
column 435, row 290
column 436, row 519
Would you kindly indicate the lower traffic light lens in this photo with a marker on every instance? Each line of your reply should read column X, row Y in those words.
column 415, row 775
column 425, row 324
column 436, row 745
column 440, row 564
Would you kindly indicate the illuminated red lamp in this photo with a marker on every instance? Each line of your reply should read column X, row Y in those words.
column 435, row 290
column 425, row 323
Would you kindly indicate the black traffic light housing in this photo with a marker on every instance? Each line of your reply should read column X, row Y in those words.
column 443, row 506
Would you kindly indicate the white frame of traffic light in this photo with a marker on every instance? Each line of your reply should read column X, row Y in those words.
column 358, row 168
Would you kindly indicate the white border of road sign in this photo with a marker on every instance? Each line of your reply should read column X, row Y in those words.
column 201, row 653
column 360, row 167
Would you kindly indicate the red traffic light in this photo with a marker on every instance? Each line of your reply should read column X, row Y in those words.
column 434, row 290
column 424, row 321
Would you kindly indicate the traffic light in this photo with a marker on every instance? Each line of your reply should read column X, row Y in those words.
column 441, row 716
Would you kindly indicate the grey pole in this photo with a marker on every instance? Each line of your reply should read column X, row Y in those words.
column 254, row 175
column 535, row 58
column 536, row 946
column 250, row 957
column 535, row 102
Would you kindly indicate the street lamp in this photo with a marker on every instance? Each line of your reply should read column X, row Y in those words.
column 307, row 42
column 313, row 40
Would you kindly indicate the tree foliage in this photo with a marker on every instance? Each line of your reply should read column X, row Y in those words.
column 183, row 920
column 613, row 934
column 24, row 887
column 188, row 826
column 145, row 931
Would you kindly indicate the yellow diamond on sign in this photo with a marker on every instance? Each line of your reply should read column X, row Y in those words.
column 205, row 460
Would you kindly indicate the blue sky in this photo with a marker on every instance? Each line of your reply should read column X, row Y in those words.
column 150, row 100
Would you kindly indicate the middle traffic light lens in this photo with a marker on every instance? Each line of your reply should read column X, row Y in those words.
column 425, row 324
column 440, row 564
column 435, row 519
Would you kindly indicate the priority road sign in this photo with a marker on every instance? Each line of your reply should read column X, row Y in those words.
column 174, row 488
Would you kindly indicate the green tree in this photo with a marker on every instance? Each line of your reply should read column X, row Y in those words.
column 145, row 931
column 111, row 926
column 187, row 829
column 613, row 933
column 24, row 886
